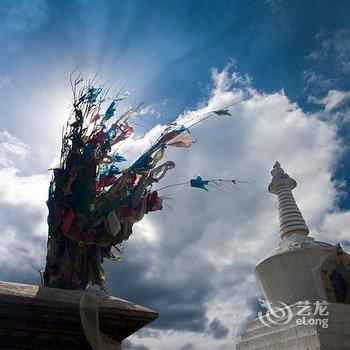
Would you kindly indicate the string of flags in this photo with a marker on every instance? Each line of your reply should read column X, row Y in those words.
column 94, row 198
column 199, row 182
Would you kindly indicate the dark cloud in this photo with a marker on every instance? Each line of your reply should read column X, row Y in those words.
column 255, row 305
column 24, row 249
column 128, row 345
column 346, row 244
column 217, row 329
column 180, row 302
column 21, row 218
column 195, row 258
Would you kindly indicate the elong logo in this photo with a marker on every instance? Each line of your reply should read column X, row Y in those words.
column 305, row 313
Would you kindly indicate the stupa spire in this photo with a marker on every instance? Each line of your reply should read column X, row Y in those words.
column 291, row 220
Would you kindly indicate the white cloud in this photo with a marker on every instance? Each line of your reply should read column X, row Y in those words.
column 333, row 45
column 23, row 228
column 227, row 234
column 342, row 47
column 316, row 83
column 336, row 226
column 11, row 148
column 276, row 7
column 22, row 210
column 334, row 99
column 27, row 190
column 192, row 262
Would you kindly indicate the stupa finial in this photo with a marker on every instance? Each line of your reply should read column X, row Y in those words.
column 277, row 172
column 291, row 220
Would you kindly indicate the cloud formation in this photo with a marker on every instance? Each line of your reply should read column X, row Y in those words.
column 22, row 213
column 217, row 329
column 332, row 100
column 194, row 269
column 192, row 261
column 128, row 345
column 11, row 149
column 335, row 43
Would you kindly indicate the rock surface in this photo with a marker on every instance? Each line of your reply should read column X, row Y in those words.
column 33, row 317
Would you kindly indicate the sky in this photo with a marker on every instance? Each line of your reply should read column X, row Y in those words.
column 194, row 261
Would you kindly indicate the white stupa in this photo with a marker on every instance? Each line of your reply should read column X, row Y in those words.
column 306, row 284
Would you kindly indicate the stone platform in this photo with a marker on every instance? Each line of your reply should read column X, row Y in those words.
column 33, row 317
column 308, row 336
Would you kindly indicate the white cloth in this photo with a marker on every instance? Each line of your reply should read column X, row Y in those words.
column 88, row 311
column 113, row 224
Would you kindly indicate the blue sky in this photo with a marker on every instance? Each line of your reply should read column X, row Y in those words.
column 164, row 50
column 294, row 58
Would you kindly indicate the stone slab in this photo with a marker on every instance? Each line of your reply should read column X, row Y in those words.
column 33, row 317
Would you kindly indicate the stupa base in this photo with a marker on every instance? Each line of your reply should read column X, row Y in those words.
column 310, row 335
